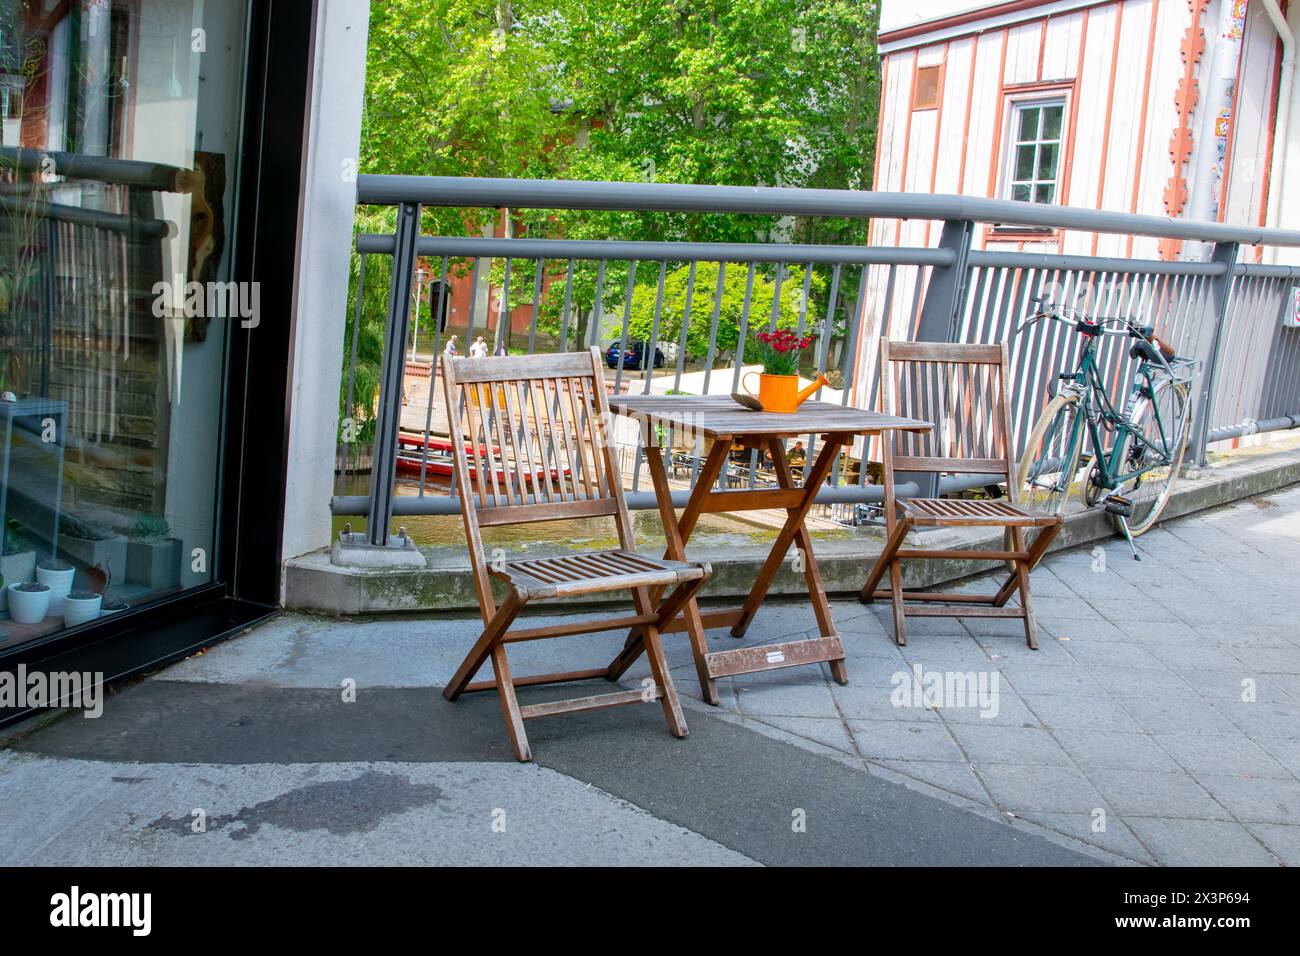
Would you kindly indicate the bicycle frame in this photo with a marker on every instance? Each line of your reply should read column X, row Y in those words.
column 1099, row 415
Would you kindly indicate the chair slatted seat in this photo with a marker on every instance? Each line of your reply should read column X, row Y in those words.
column 971, row 511
column 534, row 429
column 963, row 390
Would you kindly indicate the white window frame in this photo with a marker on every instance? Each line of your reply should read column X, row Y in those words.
column 1015, row 104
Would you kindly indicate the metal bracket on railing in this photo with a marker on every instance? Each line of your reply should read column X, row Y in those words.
column 1225, row 254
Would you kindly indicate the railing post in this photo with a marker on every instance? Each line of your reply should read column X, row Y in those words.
column 392, row 372
column 1220, row 293
column 945, row 294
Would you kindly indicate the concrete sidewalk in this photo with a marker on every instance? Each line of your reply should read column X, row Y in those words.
column 1158, row 724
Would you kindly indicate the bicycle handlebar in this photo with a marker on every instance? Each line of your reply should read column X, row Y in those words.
column 1102, row 324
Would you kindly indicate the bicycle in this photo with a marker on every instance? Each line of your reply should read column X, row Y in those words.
column 1132, row 476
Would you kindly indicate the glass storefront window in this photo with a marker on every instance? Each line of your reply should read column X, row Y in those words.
column 119, row 131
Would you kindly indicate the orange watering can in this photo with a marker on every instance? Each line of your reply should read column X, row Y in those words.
column 781, row 393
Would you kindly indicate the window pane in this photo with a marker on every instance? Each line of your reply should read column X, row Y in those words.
column 1044, row 192
column 1047, row 154
column 926, row 95
column 1024, row 162
column 1028, row 124
column 1020, row 191
column 1052, row 122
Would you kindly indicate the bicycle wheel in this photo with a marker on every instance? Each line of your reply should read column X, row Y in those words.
column 1163, row 421
column 1049, row 465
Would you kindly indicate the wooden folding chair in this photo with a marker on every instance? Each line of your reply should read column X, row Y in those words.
column 962, row 389
column 534, row 450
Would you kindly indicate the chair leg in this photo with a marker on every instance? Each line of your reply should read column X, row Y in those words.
column 647, row 638
column 1026, row 607
column 900, row 612
column 491, row 636
column 654, row 650
column 889, row 562
column 668, row 610
column 1023, row 568
column 510, row 705
column 892, row 544
column 1033, row 556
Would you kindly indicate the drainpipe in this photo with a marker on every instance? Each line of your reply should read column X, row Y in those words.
column 1286, row 81
column 1218, row 96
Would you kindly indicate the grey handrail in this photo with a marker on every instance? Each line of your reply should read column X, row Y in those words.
column 391, row 190
column 614, row 249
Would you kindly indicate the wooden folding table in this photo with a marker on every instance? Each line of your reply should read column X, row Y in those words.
column 723, row 422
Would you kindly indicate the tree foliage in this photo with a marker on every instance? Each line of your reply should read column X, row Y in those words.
column 730, row 92
column 740, row 296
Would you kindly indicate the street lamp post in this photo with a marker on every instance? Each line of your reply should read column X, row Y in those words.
column 415, row 328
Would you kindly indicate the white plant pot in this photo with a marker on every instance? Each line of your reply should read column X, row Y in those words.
column 27, row 607
column 59, row 583
column 80, row 610
column 15, row 569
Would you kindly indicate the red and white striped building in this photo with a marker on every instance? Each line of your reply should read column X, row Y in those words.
column 1159, row 107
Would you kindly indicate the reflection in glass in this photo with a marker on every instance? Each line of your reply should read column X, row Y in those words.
column 117, row 160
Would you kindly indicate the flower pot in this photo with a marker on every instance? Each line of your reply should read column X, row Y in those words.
column 59, row 581
column 28, row 607
column 16, row 569
column 156, row 564
column 80, row 607
column 116, row 607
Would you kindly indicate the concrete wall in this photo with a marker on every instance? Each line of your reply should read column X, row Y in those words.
column 321, row 286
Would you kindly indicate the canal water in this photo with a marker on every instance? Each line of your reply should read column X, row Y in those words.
column 449, row 531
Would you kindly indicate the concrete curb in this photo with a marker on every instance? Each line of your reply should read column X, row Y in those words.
column 314, row 585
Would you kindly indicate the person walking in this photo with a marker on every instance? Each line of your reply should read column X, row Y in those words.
column 479, row 349
column 449, row 350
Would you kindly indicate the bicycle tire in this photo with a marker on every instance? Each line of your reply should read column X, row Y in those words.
column 1032, row 451
column 1054, row 503
column 1149, row 519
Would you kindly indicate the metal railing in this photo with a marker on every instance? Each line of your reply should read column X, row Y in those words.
column 1225, row 312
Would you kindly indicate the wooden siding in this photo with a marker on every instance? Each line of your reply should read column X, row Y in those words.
column 1119, row 64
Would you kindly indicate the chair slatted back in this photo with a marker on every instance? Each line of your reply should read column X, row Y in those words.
column 529, row 443
column 962, row 389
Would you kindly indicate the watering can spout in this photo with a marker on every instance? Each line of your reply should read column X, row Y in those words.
column 807, row 393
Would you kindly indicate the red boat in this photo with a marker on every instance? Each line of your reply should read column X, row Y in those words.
column 411, row 458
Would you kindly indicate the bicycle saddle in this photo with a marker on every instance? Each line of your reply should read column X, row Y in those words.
column 1145, row 345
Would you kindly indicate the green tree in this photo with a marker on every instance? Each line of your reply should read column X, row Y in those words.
column 732, row 92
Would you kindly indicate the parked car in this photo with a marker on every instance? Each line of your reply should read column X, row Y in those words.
column 633, row 357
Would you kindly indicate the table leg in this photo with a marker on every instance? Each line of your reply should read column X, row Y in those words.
column 676, row 534
column 676, row 550
column 812, row 573
column 789, row 532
